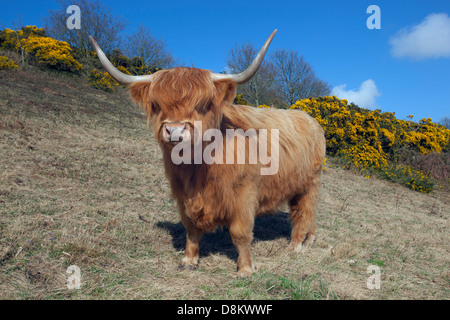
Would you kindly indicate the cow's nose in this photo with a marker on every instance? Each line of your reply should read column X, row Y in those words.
column 170, row 129
column 175, row 131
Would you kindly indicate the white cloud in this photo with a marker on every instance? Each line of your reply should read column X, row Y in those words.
column 429, row 39
column 364, row 97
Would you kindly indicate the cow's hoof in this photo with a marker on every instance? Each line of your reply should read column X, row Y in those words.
column 189, row 263
column 246, row 272
column 187, row 267
column 298, row 247
column 295, row 248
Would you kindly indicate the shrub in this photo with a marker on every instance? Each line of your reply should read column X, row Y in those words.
column 7, row 64
column 117, row 58
column 51, row 53
column 371, row 139
column 348, row 125
column 364, row 156
column 139, row 67
column 45, row 51
column 427, row 137
column 239, row 99
column 124, row 70
column 436, row 165
column 102, row 80
column 32, row 31
column 10, row 39
column 133, row 66
column 412, row 179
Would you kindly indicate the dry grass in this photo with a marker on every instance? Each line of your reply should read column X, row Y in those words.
column 82, row 183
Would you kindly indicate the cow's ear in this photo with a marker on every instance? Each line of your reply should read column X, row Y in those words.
column 226, row 90
column 140, row 93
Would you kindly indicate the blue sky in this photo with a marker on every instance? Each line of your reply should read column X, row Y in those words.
column 403, row 67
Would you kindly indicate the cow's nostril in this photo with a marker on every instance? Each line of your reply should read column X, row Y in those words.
column 176, row 132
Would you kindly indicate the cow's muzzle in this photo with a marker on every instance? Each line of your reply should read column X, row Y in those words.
column 174, row 132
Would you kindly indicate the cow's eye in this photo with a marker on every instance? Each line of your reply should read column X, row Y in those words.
column 155, row 108
column 204, row 108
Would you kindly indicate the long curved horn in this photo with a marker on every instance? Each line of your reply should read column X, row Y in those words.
column 120, row 77
column 246, row 75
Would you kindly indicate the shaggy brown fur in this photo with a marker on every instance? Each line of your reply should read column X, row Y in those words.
column 214, row 195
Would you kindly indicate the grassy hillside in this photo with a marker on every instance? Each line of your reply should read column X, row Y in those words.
column 82, row 183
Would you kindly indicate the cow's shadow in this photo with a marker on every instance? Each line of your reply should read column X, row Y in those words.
column 267, row 227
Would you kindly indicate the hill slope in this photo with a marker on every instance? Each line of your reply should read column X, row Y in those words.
column 82, row 183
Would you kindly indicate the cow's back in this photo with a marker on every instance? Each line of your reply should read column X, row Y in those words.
column 301, row 152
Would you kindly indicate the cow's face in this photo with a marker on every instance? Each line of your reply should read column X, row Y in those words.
column 177, row 100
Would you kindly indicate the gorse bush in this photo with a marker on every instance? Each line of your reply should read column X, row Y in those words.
column 134, row 66
column 46, row 52
column 102, row 80
column 51, row 53
column 364, row 156
column 11, row 40
column 427, row 136
column 7, row 64
column 348, row 125
column 239, row 99
column 412, row 179
column 370, row 140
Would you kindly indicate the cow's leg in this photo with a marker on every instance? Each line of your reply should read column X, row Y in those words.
column 241, row 231
column 302, row 215
column 193, row 235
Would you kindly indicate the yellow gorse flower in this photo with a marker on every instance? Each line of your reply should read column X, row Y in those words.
column 51, row 53
column 7, row 64
column 46, row 51
column 369, row 139
column 102, row 80
column 348, row 125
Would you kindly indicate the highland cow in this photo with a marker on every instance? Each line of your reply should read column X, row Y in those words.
column 232, row 193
